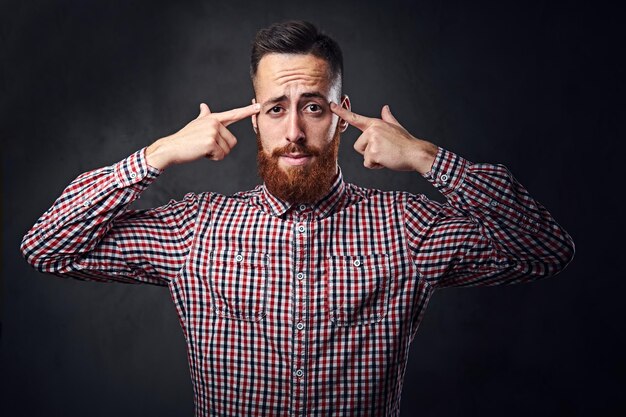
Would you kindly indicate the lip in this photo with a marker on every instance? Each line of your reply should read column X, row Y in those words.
column 296, row 159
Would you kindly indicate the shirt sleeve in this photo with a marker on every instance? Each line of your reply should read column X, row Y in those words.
column 489, row 232
column 90, row 233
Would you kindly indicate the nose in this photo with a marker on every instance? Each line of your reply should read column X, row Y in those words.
column 295, row 133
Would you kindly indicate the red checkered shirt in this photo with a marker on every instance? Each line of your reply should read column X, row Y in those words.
column 293, row 310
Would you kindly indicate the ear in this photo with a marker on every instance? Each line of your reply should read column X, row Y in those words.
column 345, row 103
column 254, row 125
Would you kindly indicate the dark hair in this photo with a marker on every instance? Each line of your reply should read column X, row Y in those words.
column 296, row 37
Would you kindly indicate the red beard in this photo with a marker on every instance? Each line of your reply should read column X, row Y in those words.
column 299, row 184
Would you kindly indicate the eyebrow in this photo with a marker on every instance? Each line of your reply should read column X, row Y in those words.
column 313, row 94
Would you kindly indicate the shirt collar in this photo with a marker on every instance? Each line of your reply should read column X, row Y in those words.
column 324, row 207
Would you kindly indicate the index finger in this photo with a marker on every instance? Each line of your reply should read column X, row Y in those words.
column 356, row 120
column 231, row 116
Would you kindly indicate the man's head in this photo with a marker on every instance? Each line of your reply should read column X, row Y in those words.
column 297, row 37
column 296, row 71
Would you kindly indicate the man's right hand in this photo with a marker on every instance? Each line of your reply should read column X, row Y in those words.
column 204, row 137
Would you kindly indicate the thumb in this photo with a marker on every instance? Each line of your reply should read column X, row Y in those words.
column 204, row 110
column 388, row 117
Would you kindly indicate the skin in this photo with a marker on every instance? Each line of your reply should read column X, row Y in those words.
column 295, row 102
column 204, row 137
column 295, row 91
column 384, row 143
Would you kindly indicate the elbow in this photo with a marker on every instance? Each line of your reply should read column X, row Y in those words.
column 569, row 250
column 551, row 262
column 561, row 257
column 34, row 252
column 28, row 252
column 33, row 257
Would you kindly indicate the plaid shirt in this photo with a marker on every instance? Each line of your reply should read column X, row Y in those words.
column 293, row 310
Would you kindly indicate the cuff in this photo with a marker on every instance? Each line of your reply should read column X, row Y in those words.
column 135, row 171
column 448, row 171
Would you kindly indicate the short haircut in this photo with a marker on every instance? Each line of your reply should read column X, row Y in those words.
column 297, row 37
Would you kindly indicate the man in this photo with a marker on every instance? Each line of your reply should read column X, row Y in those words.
column 302, row 296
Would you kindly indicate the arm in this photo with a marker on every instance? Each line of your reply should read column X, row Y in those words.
column 89, row 232
column 491, row 230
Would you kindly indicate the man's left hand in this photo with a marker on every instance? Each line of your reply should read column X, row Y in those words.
column 384, row 143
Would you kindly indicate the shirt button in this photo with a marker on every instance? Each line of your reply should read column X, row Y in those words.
column 133, row 175
column 300, row 275
column 300, row 326
column 494, row 203
column 86, row 203
column 302, row 207
column 299, row 373
column 301, row 228
column 356, row 263
column 238, row 258
column 444, row 177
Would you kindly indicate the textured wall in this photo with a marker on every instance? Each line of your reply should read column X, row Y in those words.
column 535, row 86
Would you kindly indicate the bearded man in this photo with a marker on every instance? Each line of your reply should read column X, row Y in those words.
column 302, row 296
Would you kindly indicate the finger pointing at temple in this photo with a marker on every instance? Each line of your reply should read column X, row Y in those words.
column 204, row 137
column 385, row 143
column 231, row 116
column 356, row 120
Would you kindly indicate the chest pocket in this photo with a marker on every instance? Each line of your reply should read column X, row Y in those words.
column 238, row 284
column 358, row 289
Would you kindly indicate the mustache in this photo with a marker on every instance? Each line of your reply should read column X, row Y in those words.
column 296, row 148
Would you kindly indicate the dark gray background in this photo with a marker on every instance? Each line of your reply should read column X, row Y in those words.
column 537, row 86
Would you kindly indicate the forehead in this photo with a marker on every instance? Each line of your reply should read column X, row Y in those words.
column 284, row 73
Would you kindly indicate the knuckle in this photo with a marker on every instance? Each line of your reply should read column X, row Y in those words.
column 211, row 132
column 213, row 123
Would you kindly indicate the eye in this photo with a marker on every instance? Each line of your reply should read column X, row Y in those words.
column 314, row 108
column 275, row 110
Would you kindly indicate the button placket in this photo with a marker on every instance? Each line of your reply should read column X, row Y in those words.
column 300, row 292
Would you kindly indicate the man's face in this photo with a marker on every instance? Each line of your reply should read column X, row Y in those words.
column 297, row 134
